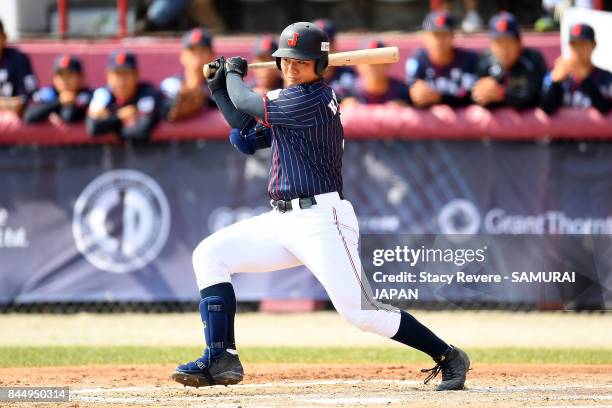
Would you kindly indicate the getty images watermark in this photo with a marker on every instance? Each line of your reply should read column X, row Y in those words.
column 564, row 271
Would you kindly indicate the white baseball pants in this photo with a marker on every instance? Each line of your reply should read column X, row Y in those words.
column 323, row 237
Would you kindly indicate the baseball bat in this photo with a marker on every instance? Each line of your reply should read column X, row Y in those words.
column 384, row 55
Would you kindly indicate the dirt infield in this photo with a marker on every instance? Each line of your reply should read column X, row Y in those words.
column 294, row 385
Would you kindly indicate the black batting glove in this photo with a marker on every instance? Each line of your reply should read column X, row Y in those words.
column 238, row 65
column 216, row 79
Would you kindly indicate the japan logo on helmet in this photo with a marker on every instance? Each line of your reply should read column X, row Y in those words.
column 293, row 40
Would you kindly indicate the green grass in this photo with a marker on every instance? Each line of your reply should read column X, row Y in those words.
column 80, row 355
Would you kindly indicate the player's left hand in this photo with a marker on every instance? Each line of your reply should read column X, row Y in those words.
column 487, row 91
column 423, row 95
column 238, row 65
column 217, row 79
column 128, row 114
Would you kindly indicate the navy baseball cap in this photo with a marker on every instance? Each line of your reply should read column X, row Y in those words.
column 265, row 46
column 327, row 26
column 504, row 24
column 66, row 62
column 439, row 21
column 198, row 37
column 372, row 43
column 122, row 60
column 582, row 32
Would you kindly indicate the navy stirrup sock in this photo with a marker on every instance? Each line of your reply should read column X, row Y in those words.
column 414, row 334
column 225, row 291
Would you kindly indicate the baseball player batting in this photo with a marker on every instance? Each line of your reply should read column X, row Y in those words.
column 311, row 222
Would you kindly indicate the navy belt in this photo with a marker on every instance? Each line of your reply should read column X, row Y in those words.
column 284, row 206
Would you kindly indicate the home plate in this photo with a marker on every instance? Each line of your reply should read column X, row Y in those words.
column 356, row 401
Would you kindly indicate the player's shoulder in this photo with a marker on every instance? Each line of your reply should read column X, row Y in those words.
column 13, row 54
column 466, row 55
column 601, row 75
column 301, row 91
column 533, row 56
column 531, row 53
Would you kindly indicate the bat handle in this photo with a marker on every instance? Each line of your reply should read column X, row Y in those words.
column 209, row 69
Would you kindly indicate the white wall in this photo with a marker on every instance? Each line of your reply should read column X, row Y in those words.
column 601, row 21
column 20, row 16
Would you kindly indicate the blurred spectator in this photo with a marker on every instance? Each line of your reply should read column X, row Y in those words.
column 440, row 73
column 17, row 80
column 374, row 84
column 166, row 14
column 340, row 79
column 471, row 21
column 554, row 10
column 186, row 94
column 265, row 79
column 125, row 105
column 575, row 81
column 67, row 99
column 510, row 74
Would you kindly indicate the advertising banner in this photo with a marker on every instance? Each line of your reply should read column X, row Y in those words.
column 119, row 223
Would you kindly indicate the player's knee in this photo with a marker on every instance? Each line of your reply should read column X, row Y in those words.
column 364, row 320
column 208, row 266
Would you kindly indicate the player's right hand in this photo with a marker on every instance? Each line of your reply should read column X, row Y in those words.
column 238, row 65
column 216, row 77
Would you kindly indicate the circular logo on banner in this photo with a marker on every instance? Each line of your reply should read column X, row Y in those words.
column 459, row 216
column 121, row 221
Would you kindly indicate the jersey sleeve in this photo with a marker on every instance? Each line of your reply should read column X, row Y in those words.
column 293, row 107
column 483, row 65
column 170, row 87
column 101, row 99
column 45, row 95
column 22, row 78
column 552, row 94
column 148, row 101
column 27, row 82
column 414, row 68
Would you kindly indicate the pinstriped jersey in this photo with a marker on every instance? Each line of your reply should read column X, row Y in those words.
column 307, row 141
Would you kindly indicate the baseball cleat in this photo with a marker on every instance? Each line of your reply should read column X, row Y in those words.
column 454, row 364
column 225, row 370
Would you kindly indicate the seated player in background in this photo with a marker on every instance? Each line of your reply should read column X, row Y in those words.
column 510, row 74
column 340, row 79
column 125, row 105
column 575, row 81
column 374, row 85
column 17, row 80
column 440, row 73
column 67, row 99
column 186, row 94
column 265, row 79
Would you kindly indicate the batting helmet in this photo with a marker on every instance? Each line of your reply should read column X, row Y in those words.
column 304, row 41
